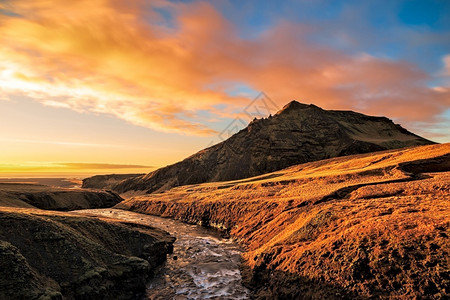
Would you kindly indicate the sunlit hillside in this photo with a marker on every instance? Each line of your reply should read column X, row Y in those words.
column 365, row 225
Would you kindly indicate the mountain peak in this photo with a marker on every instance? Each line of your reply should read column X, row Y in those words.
column 297, row 134
column 295, row 105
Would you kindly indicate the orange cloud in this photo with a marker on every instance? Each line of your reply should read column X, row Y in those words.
column 99, row 56
column 122, row 59
column 446, row 65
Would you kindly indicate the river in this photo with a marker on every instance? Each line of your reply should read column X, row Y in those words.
column 204, row 265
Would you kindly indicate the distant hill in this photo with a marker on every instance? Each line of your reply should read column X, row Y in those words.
column 54, row 198
column 298, row 133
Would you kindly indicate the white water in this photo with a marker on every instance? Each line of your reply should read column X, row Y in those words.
column 206, row 265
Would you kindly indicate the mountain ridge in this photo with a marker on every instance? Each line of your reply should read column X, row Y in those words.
column 298, row 133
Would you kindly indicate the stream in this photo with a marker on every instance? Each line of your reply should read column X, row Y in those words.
column 203, row 265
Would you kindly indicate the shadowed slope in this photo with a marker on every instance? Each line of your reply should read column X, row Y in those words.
column 53, row 255
column 54, row 198
column 299, row 133
column 372, row 225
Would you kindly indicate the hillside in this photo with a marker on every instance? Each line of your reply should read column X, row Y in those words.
column 298, row 133
column 54, row 198
column 107, row 182
column 54, row 255
column 370, row 225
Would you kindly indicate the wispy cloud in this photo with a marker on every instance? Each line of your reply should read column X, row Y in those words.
column 123, row 58
column 77, row 144
column 83, row 166
column 68, row 167
column 446, row 70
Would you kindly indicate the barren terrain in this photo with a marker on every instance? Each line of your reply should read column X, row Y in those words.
column 370, row 225
column 55, row 255
column 298, row 133
column 54, row 198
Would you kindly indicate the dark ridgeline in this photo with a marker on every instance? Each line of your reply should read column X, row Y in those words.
column 297, row 134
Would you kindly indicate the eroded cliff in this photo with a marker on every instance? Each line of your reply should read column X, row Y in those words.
column 54, row 198
column 53, row 255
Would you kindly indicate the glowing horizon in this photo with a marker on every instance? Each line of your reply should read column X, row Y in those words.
column 149, row 83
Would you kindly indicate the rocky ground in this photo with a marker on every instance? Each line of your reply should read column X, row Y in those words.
column 364, row 226
column 54, row 198
column 55, row 255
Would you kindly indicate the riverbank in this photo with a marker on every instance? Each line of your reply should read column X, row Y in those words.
column 203, row 265
column 56, row 255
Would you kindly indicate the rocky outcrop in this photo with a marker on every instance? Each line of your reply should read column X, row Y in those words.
column 107, row 182
column 363, row 226
column 53, row 198
column 19, row 281
column 51, row 255
column 297, row 134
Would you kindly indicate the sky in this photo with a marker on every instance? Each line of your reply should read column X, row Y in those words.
column 106, row 86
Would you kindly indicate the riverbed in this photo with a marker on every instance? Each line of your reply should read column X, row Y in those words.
column 204, row 265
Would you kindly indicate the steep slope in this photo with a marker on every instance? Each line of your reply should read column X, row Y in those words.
column 363, row 226
column 54, row 198
column 54, row 255
column 299, row 133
